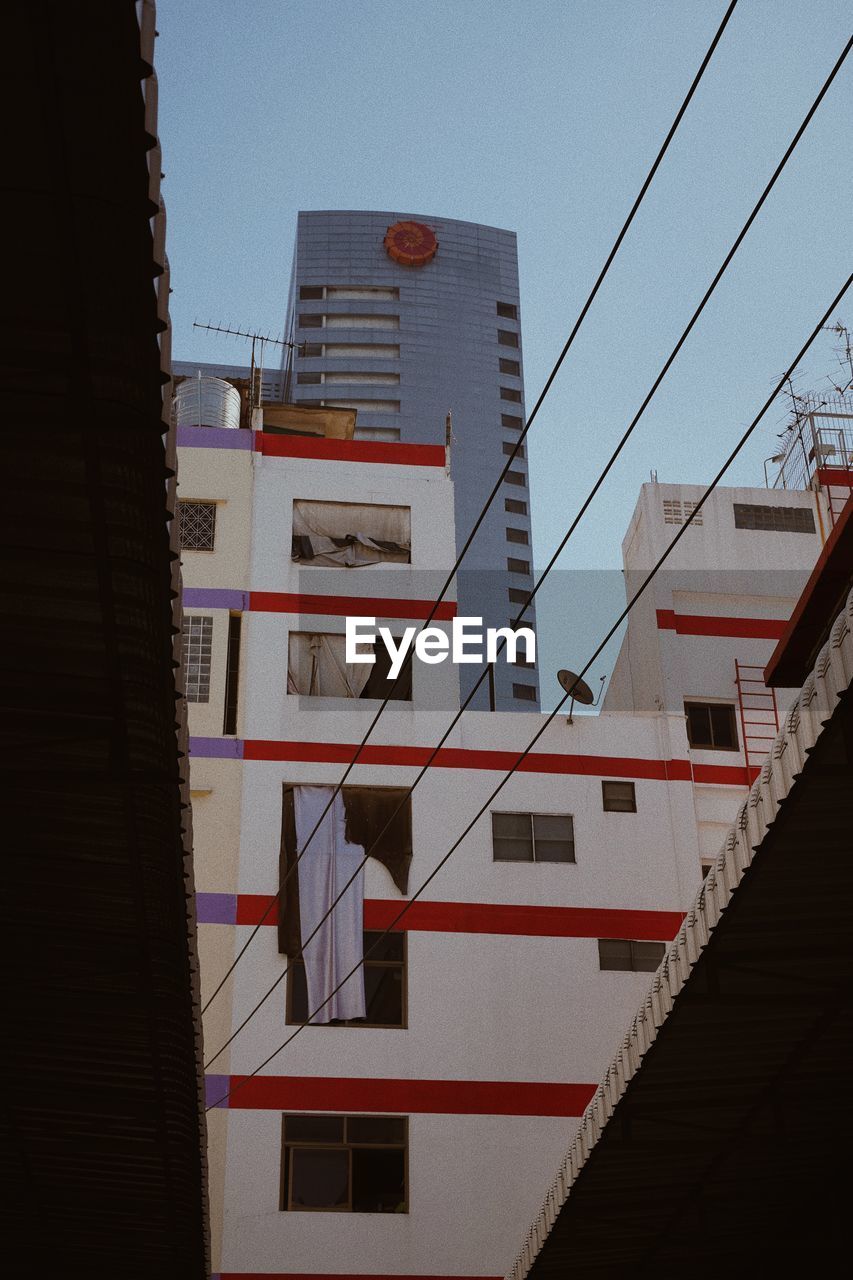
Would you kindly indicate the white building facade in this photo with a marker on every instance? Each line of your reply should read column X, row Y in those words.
column 416, row 1142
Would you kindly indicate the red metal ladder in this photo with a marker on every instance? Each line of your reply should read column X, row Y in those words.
column 759, row 715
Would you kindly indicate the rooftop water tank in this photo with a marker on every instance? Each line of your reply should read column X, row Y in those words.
column 207, row 402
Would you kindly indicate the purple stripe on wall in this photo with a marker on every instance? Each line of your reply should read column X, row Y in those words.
column 216, row 908
column 214, row 1088
column 217, row 748
column 215, row 598
column 215, row 438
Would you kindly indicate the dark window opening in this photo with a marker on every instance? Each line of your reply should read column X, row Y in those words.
column 311, row 292
column 533, row 837
column 232, row 674
column 518, row 566
column 524, row 692
column 507, row 338
column 515, row 477
column 517, row 596
column 516, row 506
column 508, row 310
column 711, row 726
column 308, row 320
column 346, row 1164
column 629, row 956
column 384, row 985
column 618, row 797
column 310, row 349
column 196, row 525
column 511, row 393
column 513, row 450
column 509, row 366
column 511, row 422
column 309, row 379
column 518, row 535
column 775, row 519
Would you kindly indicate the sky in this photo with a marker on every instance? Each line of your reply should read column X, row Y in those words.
column 542, row 117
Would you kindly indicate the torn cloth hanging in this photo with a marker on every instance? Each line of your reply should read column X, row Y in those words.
column 350, row 535
column 326, row 866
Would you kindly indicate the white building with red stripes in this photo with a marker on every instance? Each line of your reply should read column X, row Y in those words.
column 417, row 1141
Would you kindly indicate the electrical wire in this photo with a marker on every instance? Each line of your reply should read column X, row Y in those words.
column 584, row 507
column 242, row 1080
column 507, row 465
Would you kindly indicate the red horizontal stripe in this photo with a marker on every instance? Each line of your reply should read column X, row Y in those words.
column 348, row 606
column 466, row 758
column 700, row 624
column 835, row 476
column 408, row 455
column 494, row 917
column 404, row 1097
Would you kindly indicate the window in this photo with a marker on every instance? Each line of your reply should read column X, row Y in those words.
column 310, row 349
column 352, row 321
column 232, row 673
column 630, row 956
column 309, row 321
column 310, row 379
column 198, row 642
column 776, row 519
column 511, row 422
column 533, row 837
column 507, row 338
column 618, row 797
column 348, row 535
column 518, row 566
column 516, row 450
column 347, row 1164
column 507, row 310
column 515, row 477
column 517, row 596
column 362, row 293
column 526, row 693
column 317, row 668
column 384, row 984
column 196, row 525
column 362, row 351
column 711, row 725
column 511, row 393
column 518, row 535
column 676, row 512
column 509, row 366
column 516, row 506
column 311, row 291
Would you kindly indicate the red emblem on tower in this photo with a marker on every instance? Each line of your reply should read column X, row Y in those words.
column 412, row 244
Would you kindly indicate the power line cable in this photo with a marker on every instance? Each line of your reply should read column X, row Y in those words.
column 507, row 465
column 242, row 1080
column 584, row 507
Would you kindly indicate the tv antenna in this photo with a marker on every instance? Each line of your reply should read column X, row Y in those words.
column 259, row 343
column 844, row 351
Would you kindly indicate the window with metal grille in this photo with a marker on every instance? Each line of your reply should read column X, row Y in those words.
column 630, row 956
column 196, row 524
column 518, row 535
column 518, row 566
column 309, row 320
column 511, row 393
column 384, row 984
column 515, row 506
column 347, row 1164
column 513, row 449
column 198, row 643
column 515, row 477
column 508, row 310
column 533, row 837
column 311, row 291
column 509, row 366
column 618, row 797
column 750, row 515
column 524, row 692
column 676, row 512
column 711, row 725
column 511, row 422
column 507, row 338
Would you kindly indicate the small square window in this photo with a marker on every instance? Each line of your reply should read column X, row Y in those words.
column 196, row 525
column 518, row 535
column 509, row 366
column 518, row 566
column 711, row 726
column 506, row 338
column 309, row 379
column 516, row 596
column 511, row 422
column 310, row 292
column 629, row 956
column 532, row 837
column 527, row 693
column 354, row 1164
column 308, row 320
column 618, row 797
column 516, row 450
column 515, row 477
column 511, row 393
column 515, row 506
column 507, row 310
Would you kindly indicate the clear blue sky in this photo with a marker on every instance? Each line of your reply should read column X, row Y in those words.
column 541, row 116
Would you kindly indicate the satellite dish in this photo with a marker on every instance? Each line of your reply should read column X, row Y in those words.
column 581, row 692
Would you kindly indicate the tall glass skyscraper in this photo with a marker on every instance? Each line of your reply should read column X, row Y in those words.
column 407, row 317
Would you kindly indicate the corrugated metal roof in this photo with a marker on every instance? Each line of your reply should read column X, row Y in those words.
column 766, row 945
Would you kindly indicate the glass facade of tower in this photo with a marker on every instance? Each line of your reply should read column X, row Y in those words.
column 406, row 344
